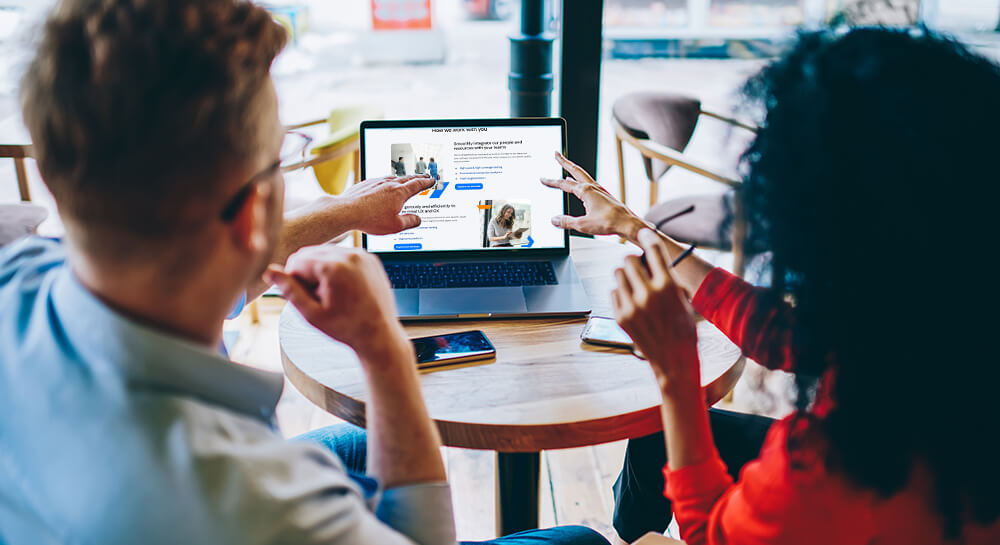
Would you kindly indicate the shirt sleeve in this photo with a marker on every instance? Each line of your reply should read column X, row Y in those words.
column 422, row 512
column 758, row 322
column 272, row 491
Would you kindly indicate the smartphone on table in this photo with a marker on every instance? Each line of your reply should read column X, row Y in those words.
column 441, row 350
column 605, row 332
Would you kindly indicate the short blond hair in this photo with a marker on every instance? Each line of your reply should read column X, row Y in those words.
column 137, row 107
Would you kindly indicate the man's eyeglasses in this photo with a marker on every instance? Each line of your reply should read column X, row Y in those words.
column 293, row 153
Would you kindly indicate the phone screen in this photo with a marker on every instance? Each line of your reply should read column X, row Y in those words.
column 606, row 331
column 467, row 344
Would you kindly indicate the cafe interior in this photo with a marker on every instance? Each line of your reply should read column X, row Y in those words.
column 691, row 223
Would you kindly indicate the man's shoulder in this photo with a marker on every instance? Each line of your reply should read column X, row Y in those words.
column 29, row 259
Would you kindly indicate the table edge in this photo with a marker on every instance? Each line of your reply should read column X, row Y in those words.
column 511, row 437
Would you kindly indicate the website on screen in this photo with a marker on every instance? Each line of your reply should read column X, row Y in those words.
column 486, row 193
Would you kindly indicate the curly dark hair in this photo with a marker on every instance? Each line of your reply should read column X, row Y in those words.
column 137, row 108
column 873, row 182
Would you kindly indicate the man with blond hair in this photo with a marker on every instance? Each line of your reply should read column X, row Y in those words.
column 155, row 127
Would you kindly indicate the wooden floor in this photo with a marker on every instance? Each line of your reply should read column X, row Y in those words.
column 576, row 483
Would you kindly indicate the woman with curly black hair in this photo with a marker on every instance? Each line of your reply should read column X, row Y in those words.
column 874, row 184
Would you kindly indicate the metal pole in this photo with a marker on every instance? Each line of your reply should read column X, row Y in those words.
column 530, row 78
column 518, row 477
column 580, row 82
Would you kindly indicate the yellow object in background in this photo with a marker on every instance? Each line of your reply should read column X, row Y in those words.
column 345, row 126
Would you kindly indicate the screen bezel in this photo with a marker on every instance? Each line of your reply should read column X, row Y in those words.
column 435, row 123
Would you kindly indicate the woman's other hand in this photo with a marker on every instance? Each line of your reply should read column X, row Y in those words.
column 651, row 308
column 605, row 214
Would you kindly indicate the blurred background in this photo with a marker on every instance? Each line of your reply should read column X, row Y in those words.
column 451, row 58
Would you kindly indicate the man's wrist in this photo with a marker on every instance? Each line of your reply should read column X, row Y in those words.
column 344, row 212
column 323, row 219
column 387, row 347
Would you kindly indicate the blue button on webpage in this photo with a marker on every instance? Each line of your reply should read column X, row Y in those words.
column 415, row 246
column 466, row 187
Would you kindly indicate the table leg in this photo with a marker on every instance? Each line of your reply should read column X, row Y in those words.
column 517, row 491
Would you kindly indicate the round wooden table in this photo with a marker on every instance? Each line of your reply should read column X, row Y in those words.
column 545, row 390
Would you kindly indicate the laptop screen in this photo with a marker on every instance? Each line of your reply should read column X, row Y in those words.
column 487, row 194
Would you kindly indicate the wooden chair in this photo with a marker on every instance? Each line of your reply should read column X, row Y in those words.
column 18, row 152
column 339, row 153
column 22, row 218
column 350, row 146
column 653, row 538
column 660, row 126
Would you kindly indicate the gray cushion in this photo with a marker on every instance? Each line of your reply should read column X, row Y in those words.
column 709, row 226
column 702, row 227
column 664, row 118
column 19, row 219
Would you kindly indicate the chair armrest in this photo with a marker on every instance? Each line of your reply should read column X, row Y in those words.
column 306, row 124
column 732, row 121
column 333, row 152
column 16, row 151
column 672, row 157
column 653, row 538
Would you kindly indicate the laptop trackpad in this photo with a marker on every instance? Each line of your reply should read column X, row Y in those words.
column 437, row 302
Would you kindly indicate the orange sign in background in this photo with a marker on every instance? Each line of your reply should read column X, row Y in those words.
column 401, row 14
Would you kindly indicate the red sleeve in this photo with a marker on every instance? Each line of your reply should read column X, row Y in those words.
column 780, row 499
column 757, row 322
column 693, row 490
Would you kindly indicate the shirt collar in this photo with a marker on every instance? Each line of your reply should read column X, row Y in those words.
column 151, row 359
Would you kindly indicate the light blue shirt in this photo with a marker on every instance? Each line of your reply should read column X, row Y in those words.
column 112, row 432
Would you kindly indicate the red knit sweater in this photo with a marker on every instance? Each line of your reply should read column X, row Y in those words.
column 782, row 497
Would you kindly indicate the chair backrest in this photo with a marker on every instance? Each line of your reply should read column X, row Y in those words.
column 331, row 156
column 345, row 125
column 665, row 118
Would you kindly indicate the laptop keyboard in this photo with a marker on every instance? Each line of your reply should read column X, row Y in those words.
column 470, row 275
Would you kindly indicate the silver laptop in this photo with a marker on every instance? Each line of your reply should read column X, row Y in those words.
column 486, row 247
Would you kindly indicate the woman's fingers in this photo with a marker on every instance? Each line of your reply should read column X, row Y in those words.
column 656, row 254
column 616, row 302
column 637, row 276
column 624, row 310
column 573, row 168
column 568, row 222
column 624, row 286
column 567, row 185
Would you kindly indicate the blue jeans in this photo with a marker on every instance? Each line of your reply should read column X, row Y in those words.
column 351, row 444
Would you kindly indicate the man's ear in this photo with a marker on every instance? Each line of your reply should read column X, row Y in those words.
column 251, row 224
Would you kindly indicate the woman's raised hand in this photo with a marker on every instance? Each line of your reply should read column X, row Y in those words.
column 651, row 308
column 605, row 214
